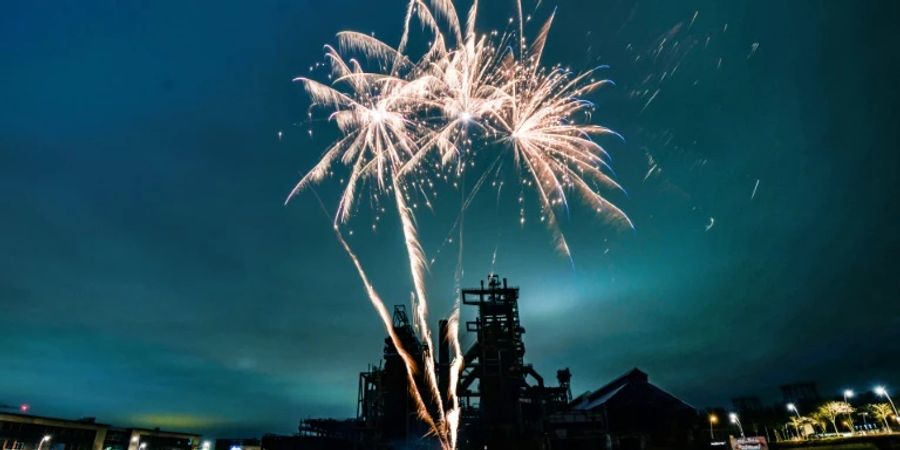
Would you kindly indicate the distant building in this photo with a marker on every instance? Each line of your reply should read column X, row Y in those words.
column 155, row 439
column 638, row 414
column 282, row 442
column 747, row 405
column 238, row 444
column 800, row 393
column 324, row 434
column 27, row 432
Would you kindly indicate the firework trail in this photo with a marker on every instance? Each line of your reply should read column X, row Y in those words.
column 409, row 363
column 410, row 121
column 379, row 137
column 417, row 268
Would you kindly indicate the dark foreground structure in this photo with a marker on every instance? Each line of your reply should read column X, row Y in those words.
column 506, row 403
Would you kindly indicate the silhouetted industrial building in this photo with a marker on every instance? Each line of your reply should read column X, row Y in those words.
column 638, row 414
column 510, row 404
column 386, row 411
column 505, row 402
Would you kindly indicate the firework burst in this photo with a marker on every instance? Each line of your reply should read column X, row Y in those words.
column 465, row 90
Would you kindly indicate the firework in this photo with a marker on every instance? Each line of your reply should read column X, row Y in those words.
column 411, row 119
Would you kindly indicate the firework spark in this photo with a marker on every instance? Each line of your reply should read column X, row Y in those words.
column 466, row 90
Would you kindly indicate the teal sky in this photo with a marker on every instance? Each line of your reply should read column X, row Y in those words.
column 150, row 274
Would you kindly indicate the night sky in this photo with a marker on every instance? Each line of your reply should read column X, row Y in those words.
column 150, row 274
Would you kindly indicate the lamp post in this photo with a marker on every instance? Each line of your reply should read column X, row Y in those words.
column 46, row 438
column 713, row 419
column 848, row 394
column 881, row 391
column 793, row 407
column 737, row 421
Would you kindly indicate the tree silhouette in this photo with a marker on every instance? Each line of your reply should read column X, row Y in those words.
column 831, row 410
column 882, row 411
column 798, row 422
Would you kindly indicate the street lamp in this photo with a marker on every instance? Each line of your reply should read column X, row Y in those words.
column 735, row 420
column 46, row 438
column 793, row 407
column 713, row 419
column 143, row 446
column 848, row 394
column 881, row 391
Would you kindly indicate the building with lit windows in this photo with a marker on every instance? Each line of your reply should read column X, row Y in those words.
column 28, row 432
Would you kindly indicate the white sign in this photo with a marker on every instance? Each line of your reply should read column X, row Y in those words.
column 749, row 443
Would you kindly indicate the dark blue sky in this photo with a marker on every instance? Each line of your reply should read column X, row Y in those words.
column 150, row 275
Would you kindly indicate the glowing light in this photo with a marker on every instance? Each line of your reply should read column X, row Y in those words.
column 791, row 407
column 46, row 438
column 377, row 115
